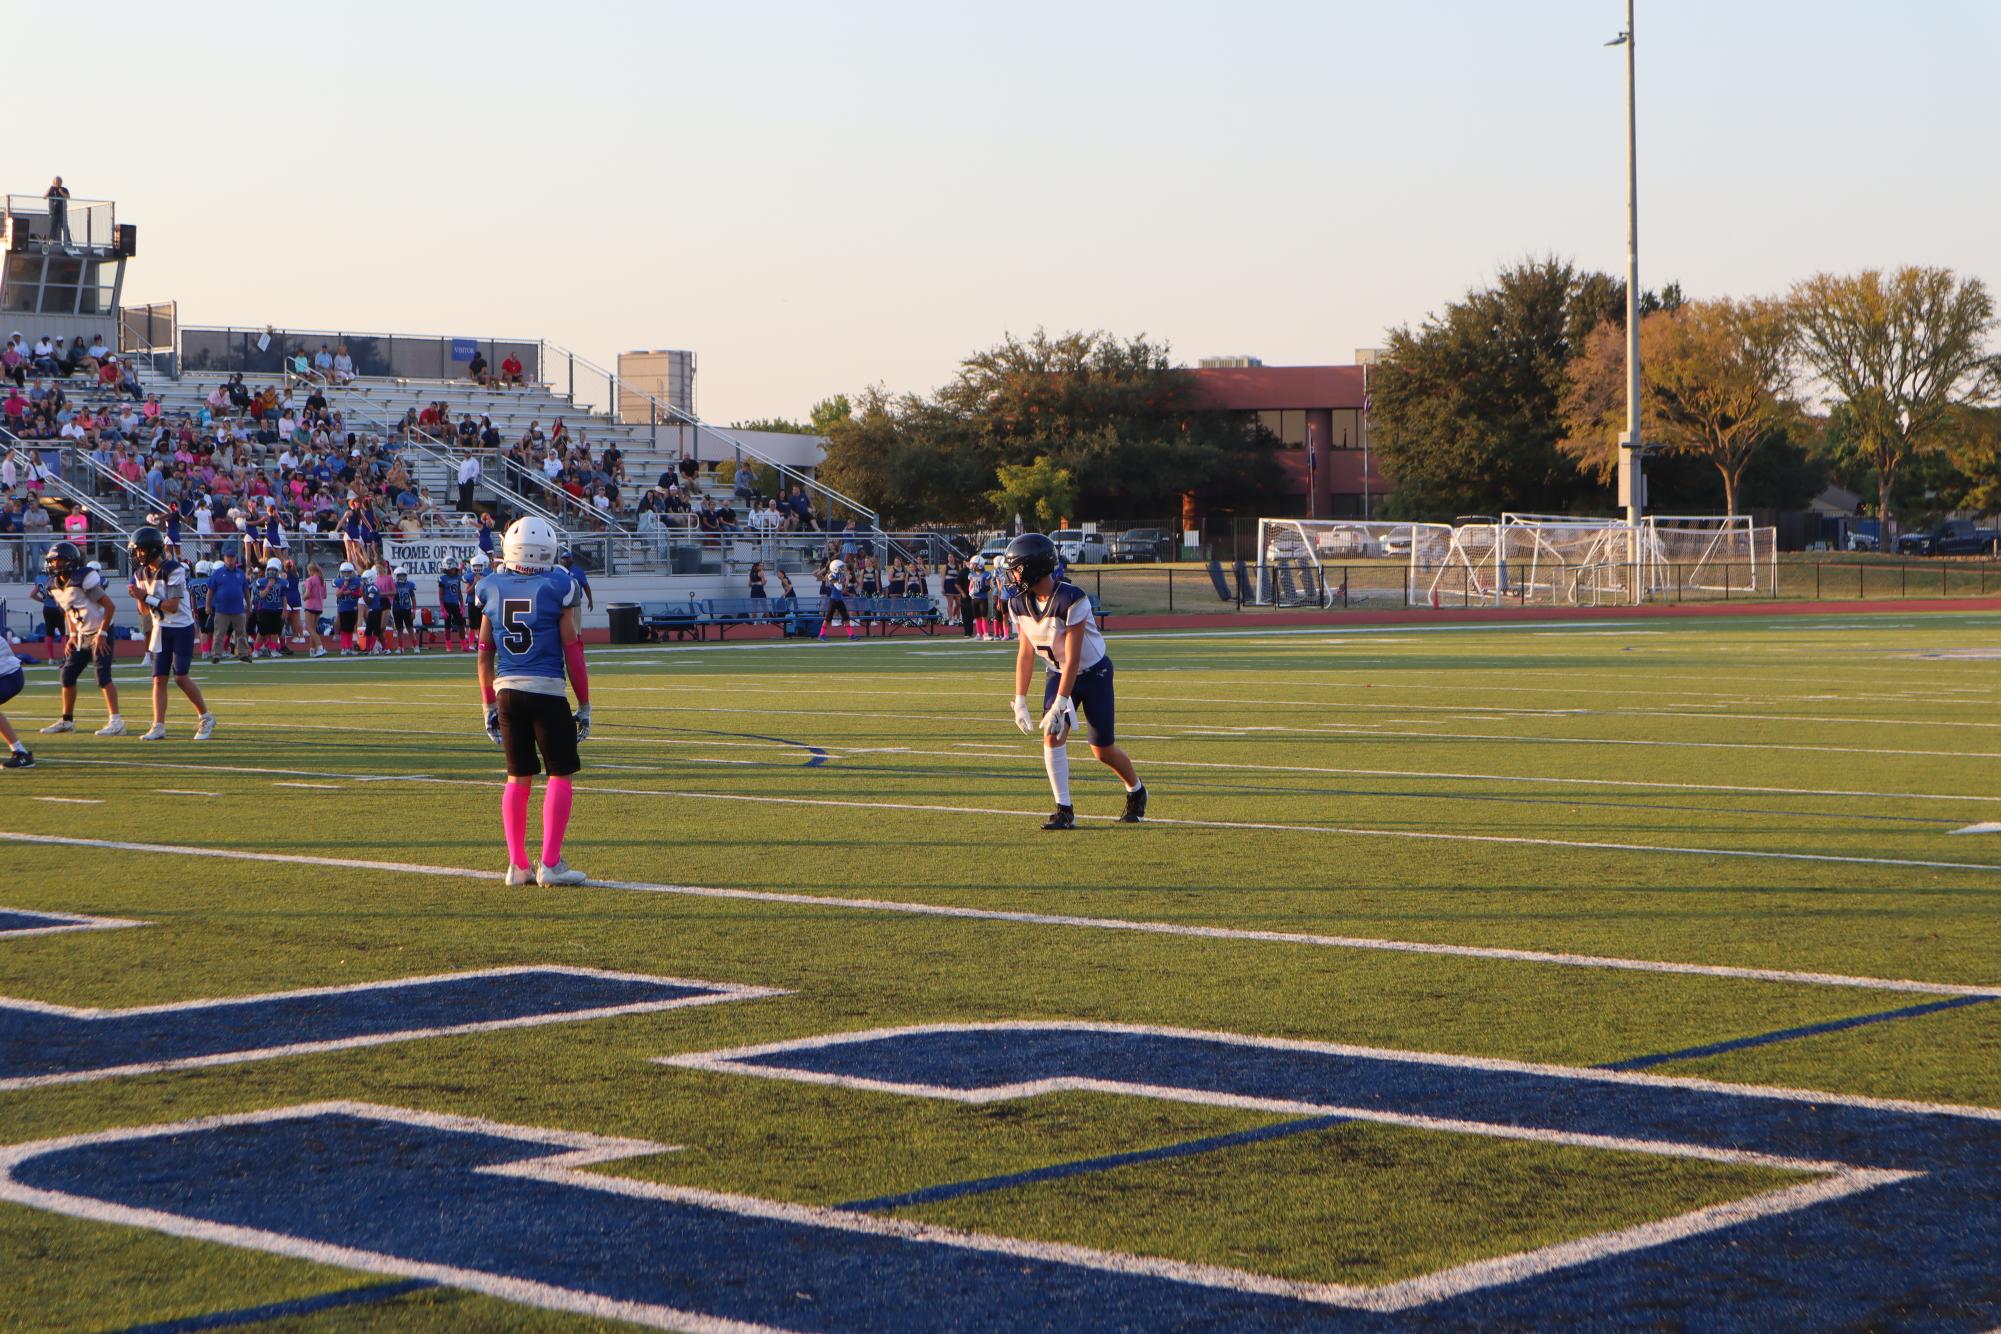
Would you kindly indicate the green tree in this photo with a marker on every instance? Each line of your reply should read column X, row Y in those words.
column 1716, row 379
column 828, row 411
column 1040, row 491
column 778, row 424
column 1905, row 353
column 1465, row 414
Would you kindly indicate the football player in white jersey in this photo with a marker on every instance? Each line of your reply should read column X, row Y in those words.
column 1055, row 623
column 161, row 585
column 88, row 608
column 12, row 679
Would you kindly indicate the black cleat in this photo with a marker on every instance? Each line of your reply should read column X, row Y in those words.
column 25, row 759
column 1135, row 806
column 1064, row 818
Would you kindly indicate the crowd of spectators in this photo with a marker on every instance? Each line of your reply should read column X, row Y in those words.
column 47, row 359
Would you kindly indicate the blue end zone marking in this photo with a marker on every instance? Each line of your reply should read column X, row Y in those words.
column 1788, row 1034
column 43, row 1044
column 12, row 920
column 1084, row 1166
column 254, row 1315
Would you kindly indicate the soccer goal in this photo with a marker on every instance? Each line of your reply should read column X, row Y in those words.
column 1711, row 556
column 1561, row 560
column 1340, row 562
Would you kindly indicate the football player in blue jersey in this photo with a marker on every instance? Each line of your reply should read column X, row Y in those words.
column 403, row 610
column 451, row 603
column 347, row 604
column 1055, row 623
column 161, row 585
column 476, row 568
column 529, row 641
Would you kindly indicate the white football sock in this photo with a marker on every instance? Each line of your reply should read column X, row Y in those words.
column 1056, row 759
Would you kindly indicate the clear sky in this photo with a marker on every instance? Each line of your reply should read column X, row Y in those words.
column 816, row 196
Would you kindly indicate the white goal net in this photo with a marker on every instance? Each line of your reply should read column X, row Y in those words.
column 1520, row 560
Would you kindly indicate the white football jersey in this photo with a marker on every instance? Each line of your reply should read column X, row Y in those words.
column 9, row 664
column 169, row 581
column 1066, row 606
column 79, row 601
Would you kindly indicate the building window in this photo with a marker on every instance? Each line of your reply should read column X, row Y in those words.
column 1286, row 427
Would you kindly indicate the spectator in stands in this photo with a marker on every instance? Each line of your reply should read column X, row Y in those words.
column 510, row 370
column 746, row 482
column 128, row 381
column 15, row 409
column 343, row 366
column 802, row 507
column 705, row 517
column 36, row 535
column 14, row 361
column 93, row 356
column 323, row 364
column 489, row 435
column 468, row 481
column 651, row 531
column 302, row 368
column 476, row 368
column 48, row 356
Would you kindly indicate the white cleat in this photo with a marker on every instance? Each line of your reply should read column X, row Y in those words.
column 207, row 728
column 116, row 727
column 157, row 732
column 562, row 873
column 518, row 875
column 319, row 653
column 59, row 725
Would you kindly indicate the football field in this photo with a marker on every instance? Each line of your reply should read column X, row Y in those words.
column 1552, row 974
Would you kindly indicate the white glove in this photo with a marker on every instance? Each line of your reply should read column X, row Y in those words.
column 1062, row 716
column 583, row 722
column 493, row 723
column 1022, row 718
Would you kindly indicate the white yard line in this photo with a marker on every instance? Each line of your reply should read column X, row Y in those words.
column 1064, row 920
column 1417, row 835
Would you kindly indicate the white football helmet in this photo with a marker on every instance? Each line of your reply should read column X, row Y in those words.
column 479, row 560
column 978, row 561
column 402, row 572
column 274, row 564
column 203, row 567
column 836, row 566
column 95, row 566
column 347, row 567
column 530, row 545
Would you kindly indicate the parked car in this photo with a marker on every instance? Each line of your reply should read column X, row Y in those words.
column 1954, row 537
column 1078, row 547
column 1148, row 544
column 995, row 548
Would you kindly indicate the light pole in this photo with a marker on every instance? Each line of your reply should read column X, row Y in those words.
column 1632, row 452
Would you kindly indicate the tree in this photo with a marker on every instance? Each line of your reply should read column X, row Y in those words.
column 829, row 411
column 1039, row 490
column 777, row 424
column 1465, row 408
column 1715, row 384
column 1904, row 352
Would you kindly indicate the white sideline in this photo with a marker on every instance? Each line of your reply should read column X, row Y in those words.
column 1421, row 835
column 1067, row 920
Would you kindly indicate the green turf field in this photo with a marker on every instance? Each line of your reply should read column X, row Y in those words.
column 1767, row 805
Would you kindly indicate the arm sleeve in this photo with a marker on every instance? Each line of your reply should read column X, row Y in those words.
column 580, row 677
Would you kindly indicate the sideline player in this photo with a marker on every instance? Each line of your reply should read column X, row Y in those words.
column 88, row 609
column 12, row 680
column 476, row 567
column 834, row 588
column 403, row 610
column 1055, row 622
column 451, row 603
column 163, row 590
column 347, row 603
column 529, row 636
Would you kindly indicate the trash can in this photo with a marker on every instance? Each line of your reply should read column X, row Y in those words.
column 625, row 623
column 686, row 560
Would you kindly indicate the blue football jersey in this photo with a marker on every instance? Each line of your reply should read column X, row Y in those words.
column 526, row 612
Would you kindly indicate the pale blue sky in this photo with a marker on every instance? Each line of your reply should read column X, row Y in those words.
column 815, row 197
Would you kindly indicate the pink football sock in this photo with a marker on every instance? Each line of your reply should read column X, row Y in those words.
column 514, row 819
column 555, row 818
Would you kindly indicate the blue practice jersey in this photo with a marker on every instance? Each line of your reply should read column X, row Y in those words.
column 471, row 585
column 524, row 614
column 450, row 589
column 406, row 595
column 347, row 592
column 270, row 593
